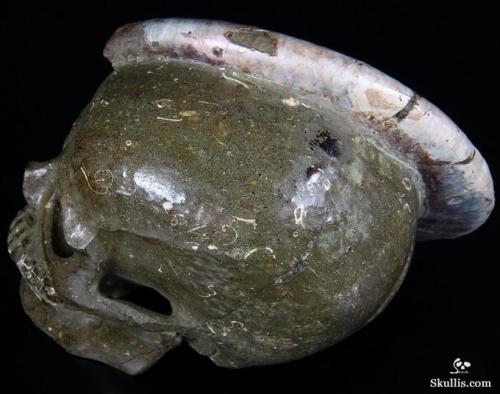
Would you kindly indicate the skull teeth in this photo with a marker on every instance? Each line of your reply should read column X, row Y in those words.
column 34, row 270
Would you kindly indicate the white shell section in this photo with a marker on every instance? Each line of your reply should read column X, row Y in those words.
column 459, row 188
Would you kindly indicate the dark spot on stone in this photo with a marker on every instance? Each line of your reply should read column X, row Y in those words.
column 312, row 170
column 325, row 141
column 217, row 51
column 258, row 40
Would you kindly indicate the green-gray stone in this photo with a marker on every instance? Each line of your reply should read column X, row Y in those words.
column 275, row 228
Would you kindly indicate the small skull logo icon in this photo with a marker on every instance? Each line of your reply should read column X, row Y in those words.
column 460, row 366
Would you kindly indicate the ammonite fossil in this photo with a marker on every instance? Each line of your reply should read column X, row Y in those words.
column 269, row 188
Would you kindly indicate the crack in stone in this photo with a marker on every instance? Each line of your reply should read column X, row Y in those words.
column 410, row 105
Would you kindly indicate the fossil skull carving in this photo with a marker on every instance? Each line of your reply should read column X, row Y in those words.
column 269, row 189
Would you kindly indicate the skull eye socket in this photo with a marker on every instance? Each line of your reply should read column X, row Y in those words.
column 59, row 245
column 117, row 288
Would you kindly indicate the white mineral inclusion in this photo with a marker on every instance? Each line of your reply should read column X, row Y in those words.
column 35, row 174
column 76, row 232
column 310, row 193
column 158, row 187
column 38, row 172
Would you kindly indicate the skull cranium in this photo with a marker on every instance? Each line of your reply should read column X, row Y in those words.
column 259, row 262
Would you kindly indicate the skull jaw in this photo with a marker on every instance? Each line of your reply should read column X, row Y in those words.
column 130, row 349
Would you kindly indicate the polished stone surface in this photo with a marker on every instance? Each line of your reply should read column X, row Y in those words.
column 275, row 220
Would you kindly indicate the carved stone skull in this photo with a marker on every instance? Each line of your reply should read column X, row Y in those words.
column 276, row 215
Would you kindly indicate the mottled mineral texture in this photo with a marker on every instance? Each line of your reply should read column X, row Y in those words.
column 275, row 220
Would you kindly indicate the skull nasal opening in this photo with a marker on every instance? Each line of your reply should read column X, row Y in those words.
column 117, row 288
